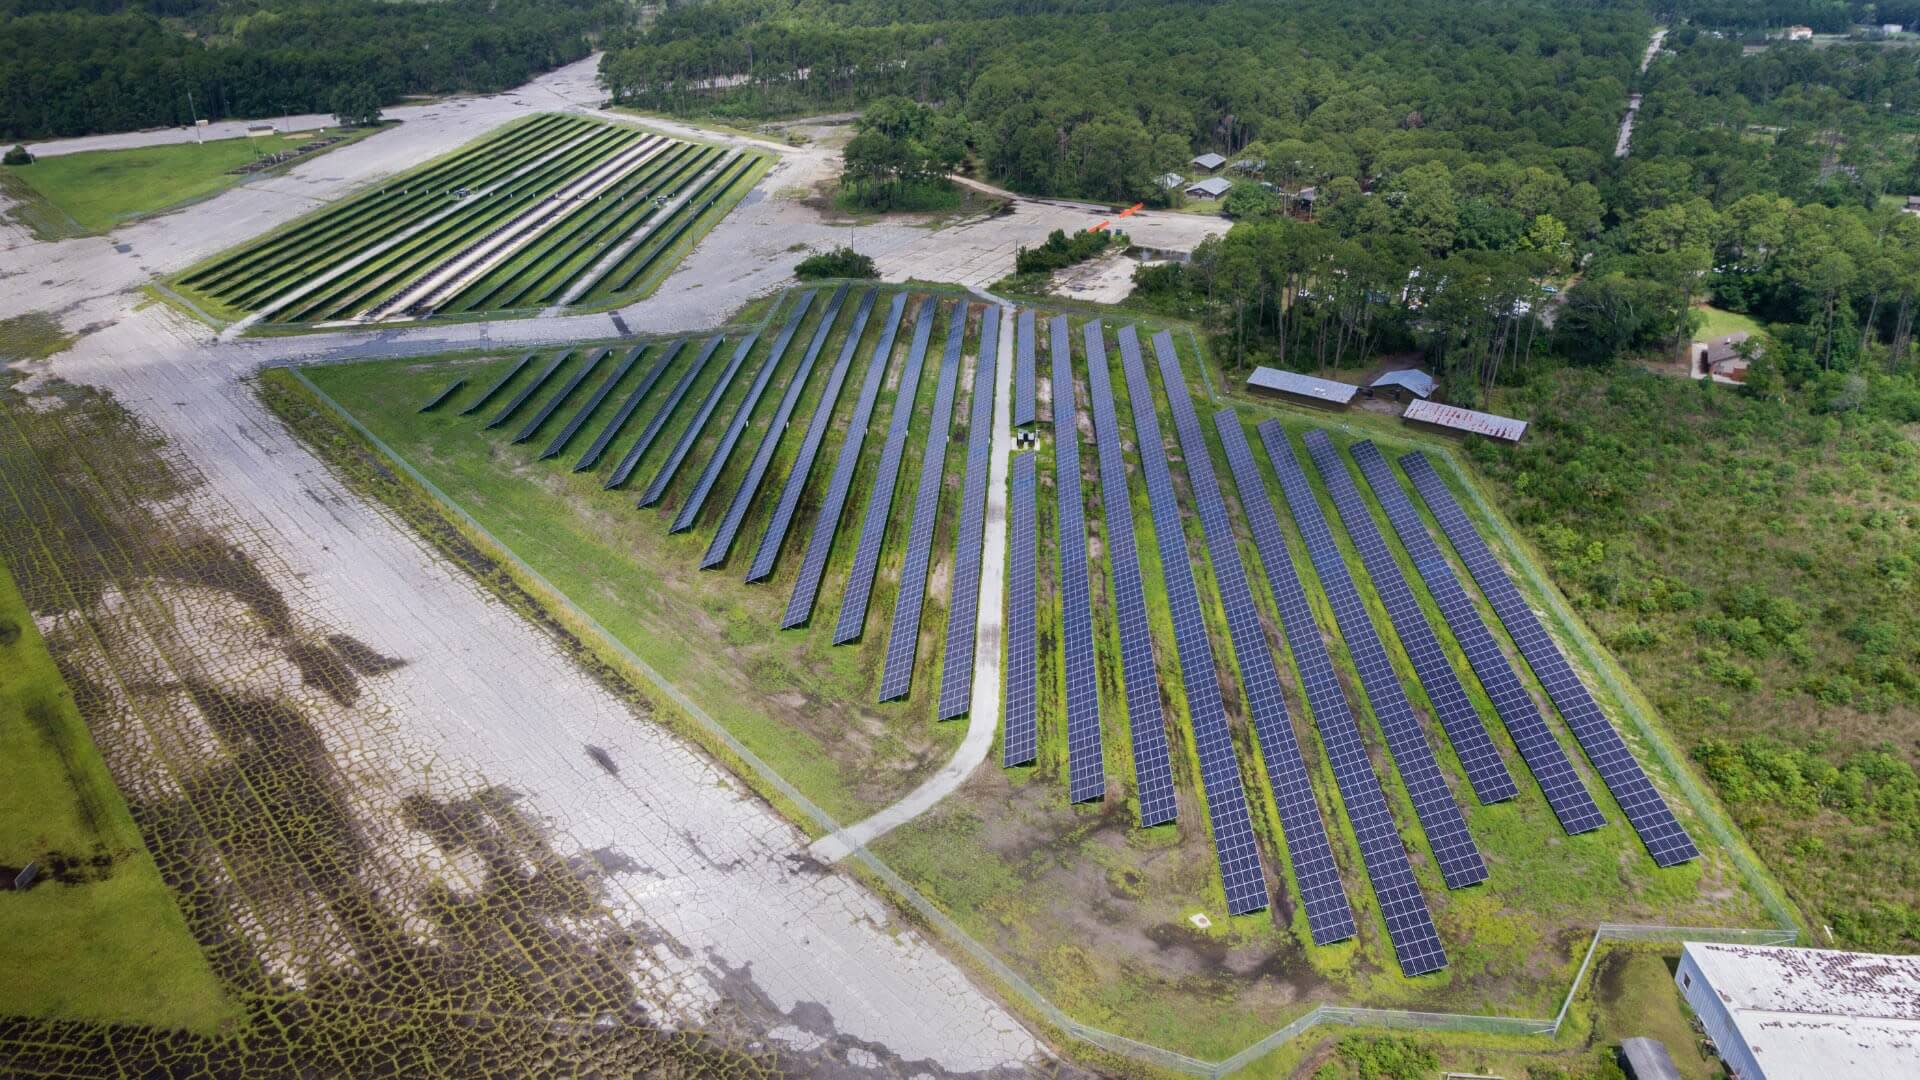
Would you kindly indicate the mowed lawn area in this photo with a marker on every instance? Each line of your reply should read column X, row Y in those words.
column 99, row 936
column 99, row 189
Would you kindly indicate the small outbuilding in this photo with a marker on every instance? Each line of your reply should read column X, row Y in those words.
column 1440, row 417
column 1302, row 389
column 1647, row 1059
column 259, row 131
column 1403, row 385
column 1799, row 33
column 1208, row 162
column 1170, row 180
column 1781, row 1013
column 1719, row 358
column 1211, row 188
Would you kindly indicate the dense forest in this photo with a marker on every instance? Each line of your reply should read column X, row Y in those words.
column 73, row 67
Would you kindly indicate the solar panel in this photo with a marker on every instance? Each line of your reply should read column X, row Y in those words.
column 1416, row 944
column 1561, row 785
column 541, row 415
column 866, row 558
column 592, row 403
column 963, row 604
column 1446, row 829
column 1666, row 840
column 1461, row 721
column 1021, row 743
column 620, row 417
column 742, row 415
column 665, row 413
column 763, row 457
column 1023, row 370
column 440, row 398
column 499, row 384
column 658, row 485
column 903, row 634
column 796, row 483
column 1227, row 813
column 1086, row 773
column 807, row 586
column 1146, row 723
column 527, row 391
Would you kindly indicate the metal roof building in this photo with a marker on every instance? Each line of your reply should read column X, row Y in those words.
column 1413, row 380
column 1211, row 188
column 1778, row 1013
column 1208, row 161
column 1292, row 384
column 1454, row 418
column 1647, row 1059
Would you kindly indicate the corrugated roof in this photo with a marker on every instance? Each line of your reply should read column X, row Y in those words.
column 1647, row 1059
column 1818, row 1013
column 1292, row 382
column 1209, row 161
column 1215, row 186
column 1452, row 416
column 1412, row 378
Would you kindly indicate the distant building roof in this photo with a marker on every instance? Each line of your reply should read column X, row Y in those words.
column 1212, row 187
column 1720, row 350
column 1306, row 386
column 1779, row 1013
column 1412, row 379
column 1208, row 161
column 1171, row 180
column 1504, row 428
column 1647, row 1059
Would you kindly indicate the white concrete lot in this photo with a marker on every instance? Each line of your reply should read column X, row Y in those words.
column 713, row 868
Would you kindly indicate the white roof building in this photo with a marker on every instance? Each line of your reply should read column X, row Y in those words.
column 1211, row 188
column 1300, row 387
column 1208, row 161
column 1778, row 1013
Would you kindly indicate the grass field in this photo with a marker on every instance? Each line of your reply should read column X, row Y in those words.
column 99, row 189
column 1719, row 322
column 1090, row 909
column 99, row 937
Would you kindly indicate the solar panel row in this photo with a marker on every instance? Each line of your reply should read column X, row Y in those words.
column 1666, row 840
column 963, row 605
column 527, row 391
column 1228, row 815
column 790, row 492
column 1561, row 785
column 620, row 417
column 658, row 422
column 1453, row 848
column 540, row 416
column 1023, row 369
column 593, row 402
column 1146, row 724
column 866, row 557
column 742, row 414
column 903, row 634
column 1086, row 774
column 770, row 441
column 440, row 398
column 499, row 384
column 1461, row 721
column 807, row 585
column 657, row 487
column 1021, row 743
column 1416, row 944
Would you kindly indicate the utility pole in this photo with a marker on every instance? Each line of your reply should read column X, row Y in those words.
column 195, row 113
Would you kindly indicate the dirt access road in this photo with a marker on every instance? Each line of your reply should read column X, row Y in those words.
column 749, row 922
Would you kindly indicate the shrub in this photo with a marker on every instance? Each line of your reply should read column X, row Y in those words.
column 1061, row 251
column 841, row 262
column 17, row 156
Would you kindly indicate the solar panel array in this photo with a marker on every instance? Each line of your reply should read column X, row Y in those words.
column 540, row 415
column 722, row 541
column 1146, row 724
column 742, row 415
column 1023, row 369
column 592, row 404
column 1021, row 742
column 664, row 476
column 1461, row 721
column 1227, row 813
column 620, row 417
column 1416, row 943
column 440, row 398
column 775, row 533
column 903, row 635
column 1568, row 797
column 866, row 558
column 658, row 421
column 499, row 384
column 1666, row 840
column 807, row 586
column 963, row 605
column 1086, row 773
column 1453, row 848
column 513, row 406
